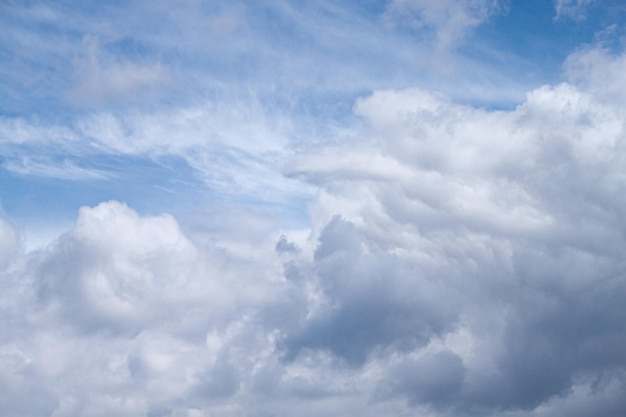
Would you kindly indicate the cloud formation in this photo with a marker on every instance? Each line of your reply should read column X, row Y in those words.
column 454, row 259
column 131, row 303
column 478, row 271
column 509, row 219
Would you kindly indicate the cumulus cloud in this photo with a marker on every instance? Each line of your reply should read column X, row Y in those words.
column 132, row 303
column 509, row 219
column 460, row 261
column 371, row 303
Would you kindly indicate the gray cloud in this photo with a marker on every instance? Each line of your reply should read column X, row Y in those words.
column 9, row 242
column 433, row 379
column 372, row 300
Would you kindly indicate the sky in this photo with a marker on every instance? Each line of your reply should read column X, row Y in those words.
column 313, row 208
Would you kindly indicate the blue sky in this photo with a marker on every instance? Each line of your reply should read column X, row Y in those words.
column 304, row 65
column 324, row 208
column 268, row 63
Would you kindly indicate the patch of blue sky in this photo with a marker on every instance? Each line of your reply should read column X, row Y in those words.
column 530, row 42
column 149, row 185
column 35, row 60
column 37, row 176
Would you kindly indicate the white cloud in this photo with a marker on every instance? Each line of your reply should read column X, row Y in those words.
column 120, row 272
column 100, row 78
column 66, row 170
column 450, row 20
column 573, row 9
column 16, row 131
column 234, row 146
column 600, row 72
column 124, row 314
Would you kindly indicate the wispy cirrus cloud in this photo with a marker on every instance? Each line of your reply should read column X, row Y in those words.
column 65, row 170
column 573, row 9
column 450, row 21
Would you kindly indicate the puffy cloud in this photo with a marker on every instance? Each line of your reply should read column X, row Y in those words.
column 124, row 314
column 117, row 269
column 372, row 300
column 510, row 220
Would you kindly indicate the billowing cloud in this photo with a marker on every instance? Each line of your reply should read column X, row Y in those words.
column 132, row 303
column 509, row 219
column 456, row 260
